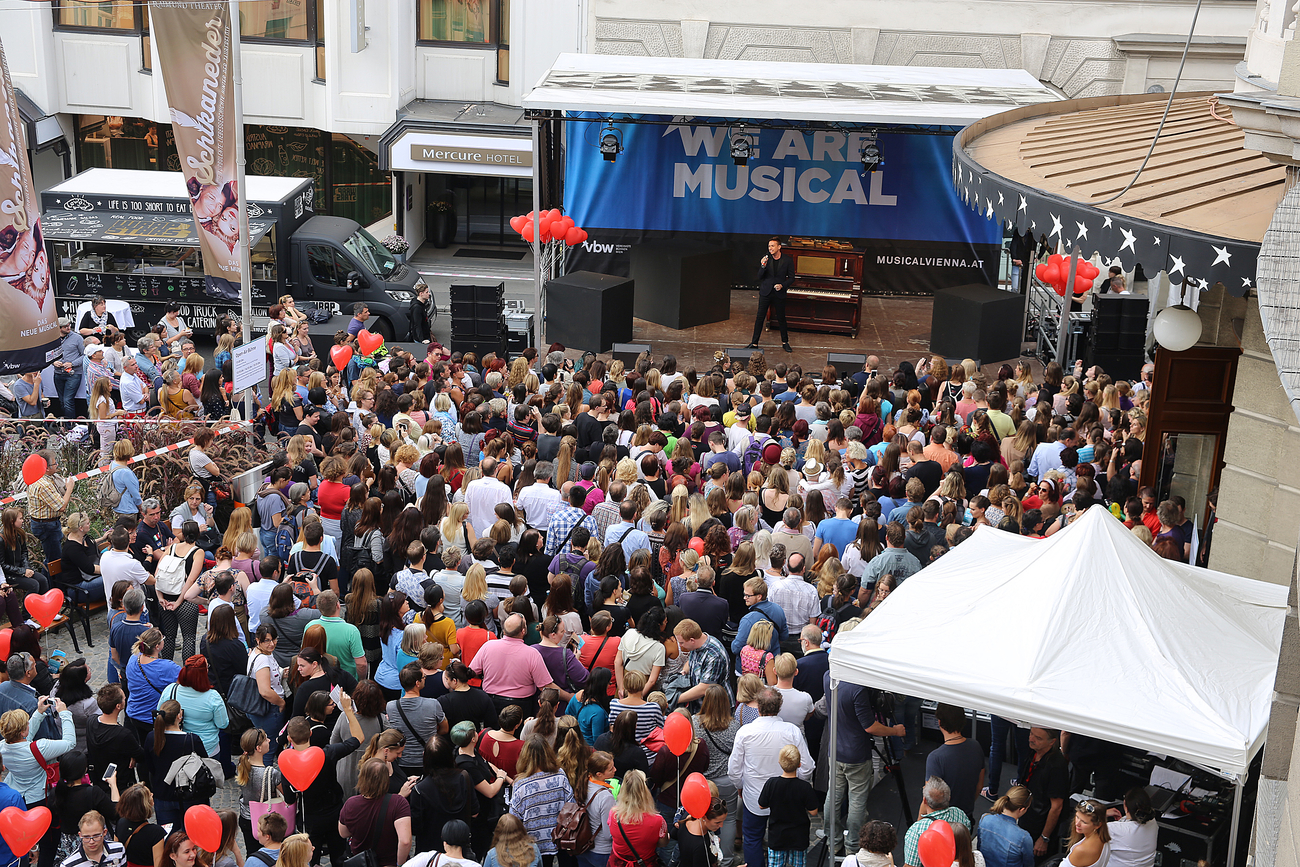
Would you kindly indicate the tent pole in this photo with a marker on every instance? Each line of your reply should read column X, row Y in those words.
column 1236, row 821
column 834, row 812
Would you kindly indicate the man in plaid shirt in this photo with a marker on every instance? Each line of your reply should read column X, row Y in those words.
column 565, row 520
column 46, row 505
column 706, row 662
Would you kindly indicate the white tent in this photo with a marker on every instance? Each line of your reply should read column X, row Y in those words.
column 1089, row 631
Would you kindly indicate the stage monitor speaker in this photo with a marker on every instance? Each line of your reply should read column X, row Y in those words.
column 586, row 310
column 1119, row 334
column 465, row 292
column 628, row 353
column 740, row 353
column 846, row 362
column 682, row 283
column 977, row 321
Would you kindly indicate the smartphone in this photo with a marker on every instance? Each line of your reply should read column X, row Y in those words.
column 109, row 771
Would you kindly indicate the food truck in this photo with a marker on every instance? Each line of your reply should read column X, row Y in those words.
column 130, row 236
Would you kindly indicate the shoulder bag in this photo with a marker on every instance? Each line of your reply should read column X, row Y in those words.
column 572, row 830
column 272, row 802
column 367, row 857
column 636, row 856
column 407, row 720
column 244, row 696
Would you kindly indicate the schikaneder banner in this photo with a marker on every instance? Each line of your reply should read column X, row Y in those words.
column 194, row 44
column 29, row 328
column 916, row 233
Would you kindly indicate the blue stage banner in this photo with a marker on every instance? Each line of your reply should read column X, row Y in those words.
column 906, row 216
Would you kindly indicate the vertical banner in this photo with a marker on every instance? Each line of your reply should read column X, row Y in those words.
column 194, row 51
column 29, row 330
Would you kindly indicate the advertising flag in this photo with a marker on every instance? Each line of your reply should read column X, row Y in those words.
column 29, row 328
column 193, row 39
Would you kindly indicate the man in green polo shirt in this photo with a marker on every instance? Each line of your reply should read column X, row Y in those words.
column 342, row 639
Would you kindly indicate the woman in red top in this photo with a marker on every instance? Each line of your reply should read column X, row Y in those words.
column 635, row 824
column 453, row 466
column 474, row 635
column 600, row 647
column 332, row 495
column 500, row 746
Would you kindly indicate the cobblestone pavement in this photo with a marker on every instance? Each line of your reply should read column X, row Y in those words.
column 96, row 657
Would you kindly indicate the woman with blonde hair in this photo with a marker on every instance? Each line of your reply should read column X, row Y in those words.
column 285, row 406
column 512, row 846
column 476, row 587
column 638, row 828
column 680, row 509
column 103, row 410
column 296, row 851
column 240, row 522
column 566, row 468
column 456, row 528
column 755, row 658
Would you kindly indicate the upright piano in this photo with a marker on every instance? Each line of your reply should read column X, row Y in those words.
column 826, row 295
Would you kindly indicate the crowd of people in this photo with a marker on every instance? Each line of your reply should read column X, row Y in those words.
column 483, row 588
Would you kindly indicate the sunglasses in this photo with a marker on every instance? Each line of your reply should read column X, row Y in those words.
column 1088, row 807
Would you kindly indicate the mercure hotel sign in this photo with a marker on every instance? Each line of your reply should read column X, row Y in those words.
column 471, row 156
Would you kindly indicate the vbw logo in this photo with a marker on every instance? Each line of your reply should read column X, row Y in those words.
column 593, row 247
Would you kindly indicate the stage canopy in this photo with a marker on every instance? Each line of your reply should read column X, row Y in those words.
column 610, row 85
column 1088, row 631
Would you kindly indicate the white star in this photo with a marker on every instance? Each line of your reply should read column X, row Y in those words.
column 1156, row 240
column 988, row 204
column 1129, row 239
column 1001, row 201
column 1056, row 226
column 1245, row 282
column 1178, row 264
column 1221, row 254
column 1083, row 231
column 1033, row 225
column 961, row 175
column 1105, row 224
column 1023, row 204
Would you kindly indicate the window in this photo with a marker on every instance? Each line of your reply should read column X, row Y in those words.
column 503, row 42
column 463, row 22
column 113, row 15
column 281, row 20
column 326, row 267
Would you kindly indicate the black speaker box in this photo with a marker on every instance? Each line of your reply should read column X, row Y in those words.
column 463, row 292
column 592, row 311
column 976, row 322
column 682, row 283
column 1119, row 334
column 628, row 353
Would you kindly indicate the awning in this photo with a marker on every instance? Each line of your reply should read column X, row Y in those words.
column 1198, row 211
column 744, row 89
column 43, row 129
column 132, row 228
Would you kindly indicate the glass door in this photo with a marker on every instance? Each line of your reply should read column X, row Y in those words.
column 485, row 206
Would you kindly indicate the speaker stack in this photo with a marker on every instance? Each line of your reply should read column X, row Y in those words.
column 478, row 322
column 1119, row 334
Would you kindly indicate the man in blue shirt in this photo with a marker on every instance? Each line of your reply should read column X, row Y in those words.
column 625, row 532
column 67, row 369
column 27, row 392
column 759, row 609
column 360, row 313
column 838, row 531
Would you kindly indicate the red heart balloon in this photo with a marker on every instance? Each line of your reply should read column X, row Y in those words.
column 572, row 236
column 1040, row 271
column 21, row 829
column 935, row 848
column 1081, row 284
column 300, row 767
column 44, row 607
column 368, row 342
column 33, row 468
column 1060, row 290
column 517, row 223
column 340, row 355
column 566, row 222
column 584, row 235
column 677, row 733
column 527, row 231
column 546, row 232
column 696, row 795
column 204, row 827
column 6, row 635
column 1055, row 259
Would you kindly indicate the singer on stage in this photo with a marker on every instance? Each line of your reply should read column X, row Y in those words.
column 775, row 274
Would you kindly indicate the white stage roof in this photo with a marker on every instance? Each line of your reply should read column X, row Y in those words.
column 745, row 89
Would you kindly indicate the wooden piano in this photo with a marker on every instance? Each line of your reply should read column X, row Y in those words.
column 827, row 292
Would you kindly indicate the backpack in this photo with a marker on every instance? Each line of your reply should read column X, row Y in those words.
column 169, row 576
column 109, row 493
column 753, row 454
column 301, row 576
column 572, row 830
column 570, row 568
column 829, row 623
column 202, row 787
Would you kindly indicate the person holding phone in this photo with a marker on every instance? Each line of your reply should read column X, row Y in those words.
column 26, row 773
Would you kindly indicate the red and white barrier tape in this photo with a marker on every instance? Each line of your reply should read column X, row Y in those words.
column 223, row 429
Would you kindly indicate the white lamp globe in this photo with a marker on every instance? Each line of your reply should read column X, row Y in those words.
column 1177, row 328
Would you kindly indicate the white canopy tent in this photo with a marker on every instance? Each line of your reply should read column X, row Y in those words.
column 1089, row 631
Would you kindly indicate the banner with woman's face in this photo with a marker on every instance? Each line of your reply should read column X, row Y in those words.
column 29, row 328
column 194, row 43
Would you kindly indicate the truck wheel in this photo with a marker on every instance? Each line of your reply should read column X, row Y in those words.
column 383, row 328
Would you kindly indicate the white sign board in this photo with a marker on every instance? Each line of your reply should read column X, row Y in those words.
column 248, row 365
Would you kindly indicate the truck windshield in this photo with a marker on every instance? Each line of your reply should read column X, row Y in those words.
column 363, row 245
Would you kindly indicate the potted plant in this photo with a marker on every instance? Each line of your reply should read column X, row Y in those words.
column 440, row 223
column 397, row 245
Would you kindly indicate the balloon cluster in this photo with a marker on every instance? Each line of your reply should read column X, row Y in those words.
column 554, row 226
column 1057, row 270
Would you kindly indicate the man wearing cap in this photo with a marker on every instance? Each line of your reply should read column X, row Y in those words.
column 565, row 521
column 738, row 434
column 96, row 367
column 67, row 368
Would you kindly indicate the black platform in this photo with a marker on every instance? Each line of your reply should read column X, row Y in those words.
column 682, row 283
column 589, row 311
column 977, row 322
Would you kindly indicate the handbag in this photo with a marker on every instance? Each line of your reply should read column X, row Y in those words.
column 272, row 802
column 367, row 856
column 245, row 697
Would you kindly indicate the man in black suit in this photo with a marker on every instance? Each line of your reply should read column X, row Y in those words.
column 775, row 273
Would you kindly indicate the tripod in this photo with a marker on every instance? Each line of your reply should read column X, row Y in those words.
column 894, row 767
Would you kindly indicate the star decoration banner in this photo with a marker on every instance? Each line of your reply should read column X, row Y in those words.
column 1189, row 257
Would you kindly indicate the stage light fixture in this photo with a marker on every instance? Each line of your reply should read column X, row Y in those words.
column 869, row 153
column 611, row 143
column 742, row 147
